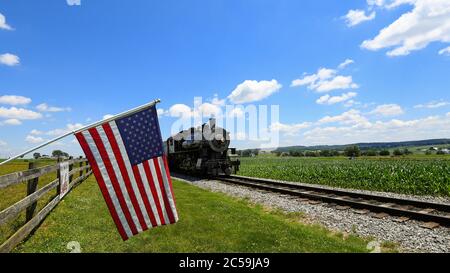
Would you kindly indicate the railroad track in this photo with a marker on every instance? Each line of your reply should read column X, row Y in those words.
column 405, row 209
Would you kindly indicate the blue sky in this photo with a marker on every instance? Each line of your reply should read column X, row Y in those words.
column 66, row 63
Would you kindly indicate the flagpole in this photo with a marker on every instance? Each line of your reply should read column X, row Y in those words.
column 95, row 124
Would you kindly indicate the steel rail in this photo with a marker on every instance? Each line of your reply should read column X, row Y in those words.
column 413, row 209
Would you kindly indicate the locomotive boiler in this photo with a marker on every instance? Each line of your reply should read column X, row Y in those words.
column 202, row 150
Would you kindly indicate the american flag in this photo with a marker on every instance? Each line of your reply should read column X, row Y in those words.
column 126, row 156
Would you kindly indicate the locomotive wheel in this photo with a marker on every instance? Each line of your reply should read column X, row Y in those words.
column 227, row 171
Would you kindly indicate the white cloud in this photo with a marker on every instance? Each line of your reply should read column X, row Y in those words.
column 375, row 2
column 180, row 110
column 350, row 117
column 14, row 100
column 203, row 110
column 107, row 116
column 356, row 17
column 329, row 100
column 433, row 104
column 239, row 136
column 161, row 112
column 3, row 143
column 44, row 107
column 36, row 132
column 237, row 112
column 388, row 110
column 69, row 128
column 209, row 109
column 346, row 63
column 321, row 75
column 352, row 103
column 3, row 24
column 445, row 51
column 217, row 101
column 326, row 80
column 378, row 131
column 250, row 91
column 427, row 22
column 19, row 113
column 448, row 114
column 289, row 129
column 12, row 122
column 389, row 4
column 35, row 136
column 9, row 59
column 339, row 82
column 73, row 2
column 34, row 140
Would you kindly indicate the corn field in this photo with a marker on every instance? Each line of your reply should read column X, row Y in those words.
column 401, row 175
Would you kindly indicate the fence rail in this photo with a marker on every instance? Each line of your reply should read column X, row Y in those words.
column 29, row 203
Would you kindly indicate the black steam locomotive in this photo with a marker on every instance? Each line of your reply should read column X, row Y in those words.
column 202, row 150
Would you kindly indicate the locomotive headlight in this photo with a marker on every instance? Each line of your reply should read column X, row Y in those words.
column 219, row 137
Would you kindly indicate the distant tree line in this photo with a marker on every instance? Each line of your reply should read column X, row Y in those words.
column 55, row 154
column 378, row 146
column 349, row 151
column 248, row 152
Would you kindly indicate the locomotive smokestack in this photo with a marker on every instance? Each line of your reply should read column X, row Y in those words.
column 212, row 123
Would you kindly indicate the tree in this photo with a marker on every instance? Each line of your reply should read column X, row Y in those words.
column 295, row 153
column 325, row 153
column 352, row 151
column 36, row 155
column 59, row 153
column 335, row 153
column 397, row 152
column 371, row 153
column 249, row 152
column 311, row 154
column 385, row 153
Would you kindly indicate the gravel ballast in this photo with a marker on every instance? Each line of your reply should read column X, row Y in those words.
column 410, row 236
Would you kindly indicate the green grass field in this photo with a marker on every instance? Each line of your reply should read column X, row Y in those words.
column 421, row 175
column 209, row 222
column 13, row 194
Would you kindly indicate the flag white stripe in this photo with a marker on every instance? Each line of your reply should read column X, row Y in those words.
column 116, row 169
column 158, row 190
column 109, row 187
column 167, row 187
column 149, row 193
column 131, row 173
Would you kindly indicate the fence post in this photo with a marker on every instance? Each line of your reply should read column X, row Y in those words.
column 58, row 176
column 70, row 169
column 81, row 166
column 31, row 188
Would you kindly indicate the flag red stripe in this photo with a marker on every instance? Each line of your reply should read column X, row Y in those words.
column 124, row 172
column 115, row 183
column 153, row 189
column 140, row 184
column 163, row 191
column 170, row 179
column 101, row 184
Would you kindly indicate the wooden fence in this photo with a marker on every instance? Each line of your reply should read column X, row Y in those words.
column 29, row 203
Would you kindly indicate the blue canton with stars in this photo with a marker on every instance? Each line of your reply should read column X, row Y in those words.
column 141, row 135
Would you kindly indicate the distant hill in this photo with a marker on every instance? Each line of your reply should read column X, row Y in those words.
column 367, row 146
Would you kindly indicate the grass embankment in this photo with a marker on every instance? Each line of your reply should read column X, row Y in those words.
column 418, row 175
column 209, row 222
